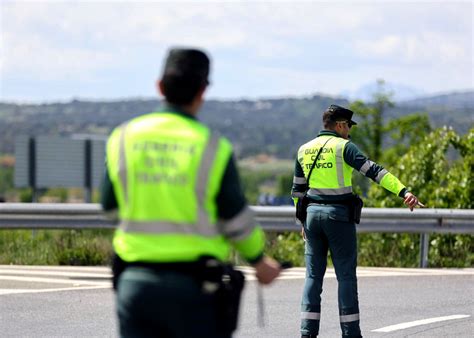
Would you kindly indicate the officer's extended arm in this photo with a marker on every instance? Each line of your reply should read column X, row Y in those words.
column 356, row 159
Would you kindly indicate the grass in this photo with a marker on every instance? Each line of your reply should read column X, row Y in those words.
column 94, row 248
column 55, row 247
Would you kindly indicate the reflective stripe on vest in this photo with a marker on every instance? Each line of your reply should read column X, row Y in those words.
column 299, row 180
column 157, row 227
column 240, row 226
column 340, row 163
column 365, row 167
column 381, row 175
column 326, row 180
column 203, row 225
column 123, row 171
column 330, row 192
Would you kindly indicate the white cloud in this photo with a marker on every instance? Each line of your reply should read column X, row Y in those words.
column 298, row 40
column 383, row 47
column 35, row 58
column 426, row 48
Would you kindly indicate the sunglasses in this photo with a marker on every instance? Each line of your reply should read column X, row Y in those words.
column 349, row 123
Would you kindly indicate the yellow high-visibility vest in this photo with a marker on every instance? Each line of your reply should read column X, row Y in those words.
column 331, row 176
column 166, row 170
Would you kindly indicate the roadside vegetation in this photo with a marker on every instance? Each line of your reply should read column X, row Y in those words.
column 436, row 164
column 55, row 247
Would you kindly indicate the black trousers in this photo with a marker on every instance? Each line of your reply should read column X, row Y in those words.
column 165, row 304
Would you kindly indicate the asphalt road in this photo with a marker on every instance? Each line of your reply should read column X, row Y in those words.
column 78, row 302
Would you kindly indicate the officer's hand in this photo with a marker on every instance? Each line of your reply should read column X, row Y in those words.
column 266, row 270
column 303, row 234
column 411, row 201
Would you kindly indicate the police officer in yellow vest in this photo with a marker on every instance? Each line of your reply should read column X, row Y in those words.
column 330, row 223
column 181, row 209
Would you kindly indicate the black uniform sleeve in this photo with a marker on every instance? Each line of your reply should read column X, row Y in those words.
column 230, row 199
column 357, row 160
column 238, row 220
column 108, row 199
column 299, row 182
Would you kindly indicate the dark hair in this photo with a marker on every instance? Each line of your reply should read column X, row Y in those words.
column 328, row 122
column 185, row 73
column 181, row 90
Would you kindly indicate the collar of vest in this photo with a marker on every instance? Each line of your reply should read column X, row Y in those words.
column 174, row 109
column 328, row 133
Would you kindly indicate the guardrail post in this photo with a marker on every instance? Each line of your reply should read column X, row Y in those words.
column 424, row 248
column 32, row 169
column 88, row 171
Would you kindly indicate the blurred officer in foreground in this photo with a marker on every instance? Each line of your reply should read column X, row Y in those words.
column 332, row 212
column 181, row 210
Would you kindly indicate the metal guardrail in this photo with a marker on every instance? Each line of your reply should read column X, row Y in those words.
column 53, row 216
column 280, row 218
column 401, row 220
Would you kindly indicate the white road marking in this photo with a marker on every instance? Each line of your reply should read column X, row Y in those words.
column 55, row 273
column 52, row 280
column 407, row 325
column 300, row 273
column 17, row 291
column 56, row 268
column 99, row 277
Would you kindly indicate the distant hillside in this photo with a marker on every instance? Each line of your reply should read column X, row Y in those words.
column 457, row 100
column 272, row 126
column 399, row 91
column 454, row 109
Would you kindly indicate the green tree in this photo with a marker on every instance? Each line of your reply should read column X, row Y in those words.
column 6, row 179
column 384, row 141
column 6, row 173
column 369, row 133
column 404, row 132
column 439, row 182
column 284, row 184
column 251, row 181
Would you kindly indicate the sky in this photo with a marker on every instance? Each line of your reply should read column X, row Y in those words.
column 107, row 50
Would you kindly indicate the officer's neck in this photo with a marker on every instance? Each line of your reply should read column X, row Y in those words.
column 182, row 109
column 339, row 132
column 193, row 107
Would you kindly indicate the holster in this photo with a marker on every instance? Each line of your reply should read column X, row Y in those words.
column 356, row 208
column 227, row 283
column 301, row 208
column 228, row 298
column 118, row 266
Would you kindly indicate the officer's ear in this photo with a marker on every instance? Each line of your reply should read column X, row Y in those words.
column 160, row 87
column 201, row 92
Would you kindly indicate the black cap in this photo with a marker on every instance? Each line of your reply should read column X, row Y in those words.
column 187, row 63
column 338, row 113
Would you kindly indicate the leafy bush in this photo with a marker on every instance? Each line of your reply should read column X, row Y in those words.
column 286, row 247
column 440, row 181
column 388, row 250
